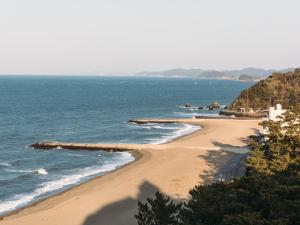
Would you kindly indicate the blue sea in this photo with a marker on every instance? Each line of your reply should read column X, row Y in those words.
column 92, row 110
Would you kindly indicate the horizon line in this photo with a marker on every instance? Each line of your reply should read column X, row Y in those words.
column 107, row 74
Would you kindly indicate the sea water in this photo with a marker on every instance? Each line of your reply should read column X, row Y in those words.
column 91, row 110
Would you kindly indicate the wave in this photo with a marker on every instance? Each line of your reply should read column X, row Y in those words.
column 191, row 107
column 55, row 186
column 175, row 130
column 170, row 128
column 186, row 129
column 186, row 114
column 41, row 171
column 146, row 127
column 162, row 126
column 209, row 114
column 158, row 127
column 150, row 126
column 5, row 164
column 19, row 171
column 196, row 114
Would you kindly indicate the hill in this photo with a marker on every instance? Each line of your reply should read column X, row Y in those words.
column 281, row 87
column 213, row 74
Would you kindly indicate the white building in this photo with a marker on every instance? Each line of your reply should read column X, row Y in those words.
column 276, row 111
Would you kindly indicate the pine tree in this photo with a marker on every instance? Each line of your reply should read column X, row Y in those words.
column 279, row 146
column 158, row 211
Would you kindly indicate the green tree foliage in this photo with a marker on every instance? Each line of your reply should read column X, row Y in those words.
column 284, row 87
column 158, row 211
column 279, row 148
column 269, row 193
column 255, row 199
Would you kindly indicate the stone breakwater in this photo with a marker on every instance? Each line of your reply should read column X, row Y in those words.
column 85, row 146
column 192, row 120
column 106, row 147
column 145, row 121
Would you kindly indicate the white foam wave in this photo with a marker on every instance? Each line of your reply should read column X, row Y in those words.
column 186, row 129
column 146, row 127
column 19, row 171
column 6, row 164
column 193, row 109
column 186, row 114
column 196, row 114
column 209, row 114
column 151, row 126
column 158, row 127
column 63, row 182
column 170, row 128
column 41, row 171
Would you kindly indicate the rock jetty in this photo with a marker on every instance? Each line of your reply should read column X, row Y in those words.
column 84, row 146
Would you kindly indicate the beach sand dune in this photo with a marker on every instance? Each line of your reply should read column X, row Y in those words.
column 173, row 168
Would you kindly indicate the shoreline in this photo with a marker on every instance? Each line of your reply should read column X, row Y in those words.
column 135, row 152
column 140, row 156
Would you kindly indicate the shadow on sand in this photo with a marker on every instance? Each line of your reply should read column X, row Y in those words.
column 123, row 211
column 225, row 164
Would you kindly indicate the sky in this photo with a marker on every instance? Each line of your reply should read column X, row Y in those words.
column 128, row 36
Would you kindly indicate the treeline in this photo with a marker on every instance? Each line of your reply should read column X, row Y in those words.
column 269, row 193
column 281, row 87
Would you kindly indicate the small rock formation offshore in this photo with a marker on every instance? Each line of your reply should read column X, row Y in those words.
column 214, row 105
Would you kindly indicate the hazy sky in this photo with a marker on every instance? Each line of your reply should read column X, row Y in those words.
column 86, row 36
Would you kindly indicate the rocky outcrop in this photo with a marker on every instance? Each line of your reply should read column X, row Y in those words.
column 214, row 105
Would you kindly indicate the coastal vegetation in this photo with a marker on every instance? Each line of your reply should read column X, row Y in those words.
column 283, row 88
column 268, row 194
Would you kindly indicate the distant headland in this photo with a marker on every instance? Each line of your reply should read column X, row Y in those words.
column 246, row 74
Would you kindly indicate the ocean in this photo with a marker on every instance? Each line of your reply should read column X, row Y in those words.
column 91, row 110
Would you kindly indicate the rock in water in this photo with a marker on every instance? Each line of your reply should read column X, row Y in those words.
column 214, row 105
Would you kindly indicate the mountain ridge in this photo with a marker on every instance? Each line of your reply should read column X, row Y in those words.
column 214, row 74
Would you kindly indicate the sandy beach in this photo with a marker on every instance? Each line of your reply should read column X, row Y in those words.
column 172, row 168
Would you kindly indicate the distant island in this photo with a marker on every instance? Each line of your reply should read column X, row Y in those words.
column 246, row 74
